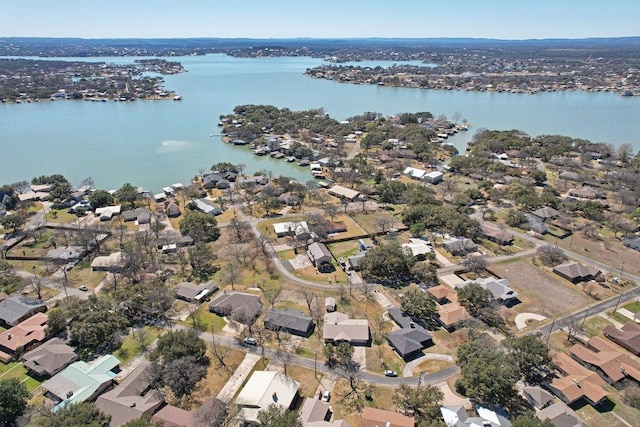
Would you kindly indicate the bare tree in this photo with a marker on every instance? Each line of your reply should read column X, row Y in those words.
column 231, row 273
column 241, row 230
column 271, row 293
column 384, row 223
column 220, row 353
column 309, row 297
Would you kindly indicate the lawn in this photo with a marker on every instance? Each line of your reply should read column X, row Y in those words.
column 633, row 307
column 61, row 216
column 382, row 357
column 217, row 377
column 344, row 404
column 81, row 275
column 344, row 249
column 17, row 370
column 368, row 221
column 594, row 326
column 205, row 320
column 309, row 382
column 131, row 346
column 608, row 250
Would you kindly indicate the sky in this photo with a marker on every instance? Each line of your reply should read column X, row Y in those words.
column 499, row 19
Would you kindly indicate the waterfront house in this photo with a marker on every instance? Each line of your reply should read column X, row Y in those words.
column 131, row 399
column 81, row 381
column 434, row 177
column 627, row 337
column 141, row 215
column 15, row 309
column 23, row 336
column 108, row 212
column 343, row 192
column 172, row 209
column 338, row 327
column 205, row 206
column 49, row 358
column 320, row 257
column 289, row 320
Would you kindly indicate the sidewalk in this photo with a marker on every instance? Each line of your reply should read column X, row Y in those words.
column 232, row 386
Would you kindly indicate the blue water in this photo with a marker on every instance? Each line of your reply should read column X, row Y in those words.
column 157, row 143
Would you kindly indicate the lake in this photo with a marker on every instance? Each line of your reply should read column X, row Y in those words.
column 156, row 143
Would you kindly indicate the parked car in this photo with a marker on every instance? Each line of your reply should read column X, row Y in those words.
column 326, row 396
column 390, row 373
column 83, row 288
column 250, row 341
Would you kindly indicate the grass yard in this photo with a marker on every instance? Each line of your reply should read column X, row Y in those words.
column 609, row 251
column 80, row 275
column 217, row 377
column 368, row 221
column 603, row 416
column 540, row 291
column 633, row 307
column 594, row 326
column 205, row 320
column 344, row 403
column 382, row 357
column 61, row 216
column 17, row 370
column 344, row 249
column 429, row 366
column 131, row 346
column 308, row 381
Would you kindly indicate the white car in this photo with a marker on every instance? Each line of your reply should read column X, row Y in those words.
column 390, row 373
column 250, row 341
column 326, row 396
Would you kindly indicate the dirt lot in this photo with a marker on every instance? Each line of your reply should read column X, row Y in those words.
column 609, row 251
column 540, row 291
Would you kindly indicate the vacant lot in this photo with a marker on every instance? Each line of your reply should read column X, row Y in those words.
column 608, row 250
column 540, row 291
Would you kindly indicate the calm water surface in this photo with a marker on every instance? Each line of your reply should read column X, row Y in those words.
column 157, row 143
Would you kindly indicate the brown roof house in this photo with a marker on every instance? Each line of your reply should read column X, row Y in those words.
column 574, row 272
column 496, row 234
column 450, row 313
column 320, row 256
column 195, row 293
column 14, row 310
column 131, row 399
column 609, row 363
column 574, row 382
column 49, row 359
column 316, row 413
column 627, row 337
column 229, row 303
column 23, row 336
column 339, row 328
column 374, row 417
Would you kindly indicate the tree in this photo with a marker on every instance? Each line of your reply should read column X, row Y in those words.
column 84, row 414
column 531, row 356
column 423, row 403
column 476, row 263
column 13, row 400
column 388, row 262
column 200, row 257
column 200, row 226
column 181, row 343
column 420, row 306
column 12, row 221
column 551, row 255
column 241, row 230
column 515, row 218
column 278, row 416
column 530, row 420
column 474, row 298
column 101, row 198
column 127, row 194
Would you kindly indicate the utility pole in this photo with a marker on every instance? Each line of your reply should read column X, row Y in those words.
column 586, row 313
column 550, row 330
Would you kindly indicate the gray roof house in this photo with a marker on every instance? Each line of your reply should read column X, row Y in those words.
column 411, row 338
column 546, row 212
column 339, row 328
column 64, row 254
column 499, row 288
column 537, row 396
column 142, row 215
column 459, row 246
column 14, row 310
column 575, row 272
column 535, row 224
column 50, row 358
column 288, row 320
column 131, row 399
column 320, row 257
column 195, row 293
column 205, row 206
column 561, row 415
column 228, row 302
column 632, row 243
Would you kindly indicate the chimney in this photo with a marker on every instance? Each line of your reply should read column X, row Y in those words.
column 9, row 337
column 576, row 382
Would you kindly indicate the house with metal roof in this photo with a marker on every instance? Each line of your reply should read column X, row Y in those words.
column 81, row 381
column 205, row 206
column 195, row 293
column 263, row 389
column 343, row 192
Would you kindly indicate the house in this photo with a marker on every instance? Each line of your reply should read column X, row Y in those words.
column 289, row 199
column 113, row 263
column 535, row 224
column 108, row 212
column 205, row 206
column 141, row 215
column 330, row 304
column 374, row 417
column 174, row 239
column 339, row 328
column 343, row 193
column 320, row 257
column 450, row 313
column 571, row 176
column 354, row 261
column 495, row 234
column 574, row 272
column 546, row 213
column 14, row 310
column 609, row 363
column 131, row 399
column 537, row 396
column 23, row 336
column 316, row 413
column 457, row 416
column 289, row 320
column 191, row 292
column 583, row 193
column 172, row 416
column 283, row 229
column 66, row 254
column 434, row 177
column 411, row 338
column 336, row 227
column 632, row 243
column 458, row 246
column 49, row 358
column 415, row 173
column 81, row 381
column 574, row 382
column 262, row 389
column 418, row 248
column 228, row 302
column 560, row 415
column 210, row 180
column 626, row 337
column 499, row 288
column 172, row 209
